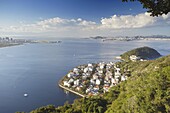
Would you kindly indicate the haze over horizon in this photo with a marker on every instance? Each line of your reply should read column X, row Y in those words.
column 78, row 18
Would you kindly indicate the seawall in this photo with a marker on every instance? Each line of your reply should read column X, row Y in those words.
column 71, row 90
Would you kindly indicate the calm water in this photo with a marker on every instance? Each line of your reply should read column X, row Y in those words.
column 36, row 68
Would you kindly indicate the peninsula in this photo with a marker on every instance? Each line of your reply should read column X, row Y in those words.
column 93, row 79
column 96, row 79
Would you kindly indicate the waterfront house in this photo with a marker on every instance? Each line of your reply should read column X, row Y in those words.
column 66, row 83
column 69, row 75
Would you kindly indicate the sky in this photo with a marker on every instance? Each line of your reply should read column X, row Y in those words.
column 78, row 18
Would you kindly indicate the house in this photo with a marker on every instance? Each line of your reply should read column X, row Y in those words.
column 106, row 88
column 100, row 71
column 134, row 58
column 66, row 83
column 117, row 72
column 96, row 88
column 90, row 69
column 102, row 66
column 85, row 70
column 71, row 81
column 78, row 88
column 123, row 78
column 97, row 82
column 92, row 81
column 108, row 73
column 75, row 70
column 95, row 76
column 76, row 82
column 69, row 75
column 88, row 90
column 113, row 81
column 84, row 77
column 90, row 65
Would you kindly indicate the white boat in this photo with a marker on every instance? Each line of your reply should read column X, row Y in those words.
column 25, row 95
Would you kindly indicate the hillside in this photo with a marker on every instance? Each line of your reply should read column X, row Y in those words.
column 146, row 91
column 142, row 52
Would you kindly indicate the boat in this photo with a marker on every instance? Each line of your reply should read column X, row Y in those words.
column 25, row 95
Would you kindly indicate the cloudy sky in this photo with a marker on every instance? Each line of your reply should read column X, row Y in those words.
column 78, row 18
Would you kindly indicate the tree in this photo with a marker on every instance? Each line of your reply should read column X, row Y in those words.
column 155, row 7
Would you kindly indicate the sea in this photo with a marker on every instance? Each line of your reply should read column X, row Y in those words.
column 35, row 69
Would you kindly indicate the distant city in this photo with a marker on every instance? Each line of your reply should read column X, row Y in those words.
column 8, row 41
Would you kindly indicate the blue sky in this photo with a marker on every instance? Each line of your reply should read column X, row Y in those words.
column 61, row 18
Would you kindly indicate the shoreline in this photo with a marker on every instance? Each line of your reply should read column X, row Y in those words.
column 8, row 45
column 74, row 92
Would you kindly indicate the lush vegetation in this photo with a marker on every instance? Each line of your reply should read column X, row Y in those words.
column 146, row 91
column 142, row 52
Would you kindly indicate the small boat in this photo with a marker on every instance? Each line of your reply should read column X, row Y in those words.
column 25, row 95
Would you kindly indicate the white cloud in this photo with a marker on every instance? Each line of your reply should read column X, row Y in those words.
column 134, row 21
column 128, row 21
column 79, row 26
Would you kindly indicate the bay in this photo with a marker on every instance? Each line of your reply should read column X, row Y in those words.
column 35, row 69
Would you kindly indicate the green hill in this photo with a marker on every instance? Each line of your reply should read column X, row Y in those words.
column 147, row 90
column 142, row 52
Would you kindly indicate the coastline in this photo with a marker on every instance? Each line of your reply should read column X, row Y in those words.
column 8, row 45
column 65, row 88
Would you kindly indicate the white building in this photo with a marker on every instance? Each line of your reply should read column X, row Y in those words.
column 76, row 82
column 123, row 78
column 90, row 65
column 95, row 76
column 97, row 82
column 117, row 72
column 66, row 83
column 71, row 81
column 85, row 70
column 114, row 81
column 134, row 58
column 69, row 75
